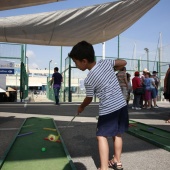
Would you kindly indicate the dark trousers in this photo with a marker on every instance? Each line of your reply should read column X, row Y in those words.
column 56, row 93
column 136, row 100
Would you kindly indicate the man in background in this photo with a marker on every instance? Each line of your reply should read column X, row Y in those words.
column 155, row 77
column 122, row 79
column 56, row 81
column 157, row 81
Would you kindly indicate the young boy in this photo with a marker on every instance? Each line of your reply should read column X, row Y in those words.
column 113, row 115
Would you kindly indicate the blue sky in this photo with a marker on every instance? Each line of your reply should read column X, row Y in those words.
column 144, row 33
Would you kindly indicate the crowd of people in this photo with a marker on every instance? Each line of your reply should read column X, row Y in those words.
column 143, row 86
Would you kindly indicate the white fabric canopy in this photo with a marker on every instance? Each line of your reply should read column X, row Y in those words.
column 2, row 90
column 94, row 24
column 11, row 4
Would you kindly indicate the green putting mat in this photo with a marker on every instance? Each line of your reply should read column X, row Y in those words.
column 156, row 136
column 32, row 152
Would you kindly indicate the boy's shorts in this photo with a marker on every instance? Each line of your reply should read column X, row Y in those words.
column 114, row 123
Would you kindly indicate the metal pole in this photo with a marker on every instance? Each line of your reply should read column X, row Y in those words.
column 16, row 80
column 147, row 52
column 49, row 72
column 160, row 57
column 21, row 72
column 61, row 58
column 25, row 50
column 69, row 82
column 134, row 56
column 49, row 69
column 104, row 52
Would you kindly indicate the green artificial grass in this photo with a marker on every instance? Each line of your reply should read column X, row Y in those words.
column 156, row 136
column 26, row 152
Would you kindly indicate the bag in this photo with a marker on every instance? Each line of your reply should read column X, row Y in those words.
column 140, row 91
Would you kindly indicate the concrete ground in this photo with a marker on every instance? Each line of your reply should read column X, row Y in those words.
column 79, row 137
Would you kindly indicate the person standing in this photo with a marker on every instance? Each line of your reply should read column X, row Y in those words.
column 142, row 77
column 122, row 79
column 157, row 81
column 129, row 87
column 155, row 77
column 56, row 81
column 153, row 92
column 167, row 88
column 136, row 83
column 147, row 95
column 101, row 81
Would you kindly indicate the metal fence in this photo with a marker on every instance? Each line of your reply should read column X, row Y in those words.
column 73, row 90
column 17, row 53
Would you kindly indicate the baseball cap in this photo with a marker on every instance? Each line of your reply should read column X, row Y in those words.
column 137, row 73
column 154, row 72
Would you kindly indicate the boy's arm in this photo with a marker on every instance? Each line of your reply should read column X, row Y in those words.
column 85, row 103
column 119, row 64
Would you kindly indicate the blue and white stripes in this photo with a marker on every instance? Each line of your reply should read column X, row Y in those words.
column 102, row 81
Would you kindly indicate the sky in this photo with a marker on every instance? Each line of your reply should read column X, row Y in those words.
column 147, row 32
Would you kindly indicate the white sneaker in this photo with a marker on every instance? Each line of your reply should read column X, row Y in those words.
column 133, row 107
column 138, row 108
column 155, row 107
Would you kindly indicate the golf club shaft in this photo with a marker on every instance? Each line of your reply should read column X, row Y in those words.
column 68, row 124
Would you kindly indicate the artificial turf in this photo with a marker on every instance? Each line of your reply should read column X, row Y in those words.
column 156, row 136
column 26, row 151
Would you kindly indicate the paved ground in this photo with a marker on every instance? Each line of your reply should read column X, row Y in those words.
column 80, row 138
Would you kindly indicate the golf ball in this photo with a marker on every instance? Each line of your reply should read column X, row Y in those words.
column 43, row 149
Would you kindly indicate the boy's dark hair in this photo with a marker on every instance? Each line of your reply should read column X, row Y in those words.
column 83, row 50
column 56, row 68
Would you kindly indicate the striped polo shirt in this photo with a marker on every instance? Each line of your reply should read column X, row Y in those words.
column 102, row 82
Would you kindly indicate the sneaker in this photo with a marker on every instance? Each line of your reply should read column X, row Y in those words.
column 148, row 108
column 133, row 107
column 138, row 108
column 155, row 107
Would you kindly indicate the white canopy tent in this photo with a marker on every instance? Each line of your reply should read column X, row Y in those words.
column 12, row 4
column 2, row 91
column 94, row 24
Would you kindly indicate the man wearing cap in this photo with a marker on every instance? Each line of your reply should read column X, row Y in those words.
column 142, row 83
column 136, row 83
column 157, row 81
column 154, row 75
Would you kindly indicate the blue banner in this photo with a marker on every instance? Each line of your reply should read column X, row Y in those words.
column 6, row 71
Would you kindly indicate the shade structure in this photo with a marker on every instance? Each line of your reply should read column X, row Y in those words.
column 95, row 24
column 12, row 4
column 2, row 90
